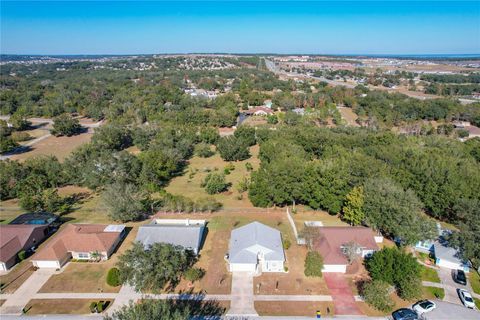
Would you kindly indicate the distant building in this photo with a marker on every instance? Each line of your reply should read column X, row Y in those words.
column 186, row 233
column 259, row 111
column 299, row 111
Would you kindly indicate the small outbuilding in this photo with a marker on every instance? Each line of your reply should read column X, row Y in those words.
column 186, row 233
column 256, row 247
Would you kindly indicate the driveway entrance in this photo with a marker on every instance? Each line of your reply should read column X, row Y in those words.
column 342, row 295
column 242, row 295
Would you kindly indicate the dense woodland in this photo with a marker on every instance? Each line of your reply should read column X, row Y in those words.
column 395, row 183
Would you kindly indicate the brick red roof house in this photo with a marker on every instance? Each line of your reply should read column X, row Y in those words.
column 333, row 239
column 79, row 241
column 15, row 238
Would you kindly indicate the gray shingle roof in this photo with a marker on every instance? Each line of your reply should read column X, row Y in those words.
column 189, row 237
column 247, row 241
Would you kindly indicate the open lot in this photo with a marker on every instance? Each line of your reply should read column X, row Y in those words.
column 54, row 306
column 60, row 147
column 189, row 184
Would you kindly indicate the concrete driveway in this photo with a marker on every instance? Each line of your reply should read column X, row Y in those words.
column 242, row 304
column 19, row 299
column 450, row 286
column 342, row 294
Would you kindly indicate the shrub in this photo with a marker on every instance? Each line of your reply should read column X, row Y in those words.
column 22, row 255
column 313, row 264
column 375, row 293
column 232, row 149
column 203, row 150
column 65, row 125
column 286, row 243
column 215, row 183
column 194, row 274
column 248, row 166
column 100, row 306
column 230, row 167
column 18, row 136
column 113, row 277
column 93, row 307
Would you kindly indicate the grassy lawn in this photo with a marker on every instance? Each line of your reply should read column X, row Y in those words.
column 60, row 147
column 293, row 308
column 433, row 293
column 80, row 277
column 189, row 183
column 372, row 312
column 477, row 303
column 54, row 306
column 9, row 210
column 429, row 274
column 304, row 214
column 474, row 278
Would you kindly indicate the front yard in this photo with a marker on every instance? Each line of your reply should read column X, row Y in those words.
column 474, row 279
column 58, row 306
column 293, row 308
column 430, row 274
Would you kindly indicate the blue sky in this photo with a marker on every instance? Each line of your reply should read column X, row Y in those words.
column 325, row 27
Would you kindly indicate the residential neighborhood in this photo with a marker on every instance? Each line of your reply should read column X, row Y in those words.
column 180, row 160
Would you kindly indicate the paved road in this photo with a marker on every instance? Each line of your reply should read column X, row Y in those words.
column 242, row 295
column 451, row 311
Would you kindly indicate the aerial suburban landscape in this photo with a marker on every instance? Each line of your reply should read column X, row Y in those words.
column 294, row 181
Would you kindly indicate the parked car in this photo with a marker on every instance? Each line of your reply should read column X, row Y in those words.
column 405, row 314
column 459, row 277
column 424, row 306
column 466, row 298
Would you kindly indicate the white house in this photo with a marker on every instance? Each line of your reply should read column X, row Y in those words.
column 256, row 248
column 448, row 257
column 185, row 233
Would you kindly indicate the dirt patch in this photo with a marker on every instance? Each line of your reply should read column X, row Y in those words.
column 58, row 306
column 60, row 147
column 293, row 308
column 349, row 116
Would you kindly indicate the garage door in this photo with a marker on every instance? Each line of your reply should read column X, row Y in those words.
column 3, row 267
column 242, row 267
column 46, row 264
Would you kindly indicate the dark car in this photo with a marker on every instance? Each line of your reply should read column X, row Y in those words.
column 405, row 314
column 459, row 277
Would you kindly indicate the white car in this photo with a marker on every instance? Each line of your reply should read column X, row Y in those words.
column 424, row 306
column 466, row 298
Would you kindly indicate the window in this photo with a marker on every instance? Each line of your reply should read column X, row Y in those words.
column 83, row 255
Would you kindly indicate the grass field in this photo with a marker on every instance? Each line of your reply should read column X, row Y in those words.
column 9, row 210
column 429, row 274
column 189, row 184
column 55, row 306
column 60, row 147
column 474, row 278
column 433, row 293
column 293, row 308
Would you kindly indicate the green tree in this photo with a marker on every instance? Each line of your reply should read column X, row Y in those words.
column 124, row 202
column 204, row 150
column 215, row 183
column 352, row 211
column 65, row 125
column 396, row 212
column 375, row 293
column 171, row 309
column 397, row 268
column 232, row 149
column 246, row 135
column 153, row 268
column 313, row 264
